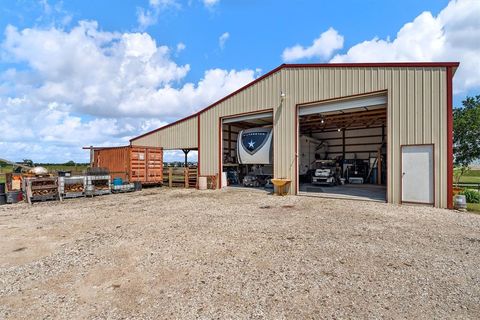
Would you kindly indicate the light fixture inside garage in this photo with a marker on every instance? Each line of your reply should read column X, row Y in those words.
column 282, row 95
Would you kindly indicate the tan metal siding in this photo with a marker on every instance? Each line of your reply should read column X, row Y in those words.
column 417, row 113
column 182, row 135
column 263, row 95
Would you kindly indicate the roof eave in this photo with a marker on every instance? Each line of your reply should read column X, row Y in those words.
column 454, row 66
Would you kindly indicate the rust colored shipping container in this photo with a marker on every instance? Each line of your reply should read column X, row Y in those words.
column 131, row 163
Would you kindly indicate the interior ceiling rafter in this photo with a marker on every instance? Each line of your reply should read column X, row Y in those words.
column 366, row 118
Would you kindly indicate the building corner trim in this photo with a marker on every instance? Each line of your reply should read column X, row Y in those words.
column 449, row 139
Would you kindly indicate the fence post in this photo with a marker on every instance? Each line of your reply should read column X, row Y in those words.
column 170, row 177
column 186, row 177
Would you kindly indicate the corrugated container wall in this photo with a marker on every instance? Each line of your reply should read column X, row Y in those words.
column 131, row 163
column 181, row 135
column 116, row 160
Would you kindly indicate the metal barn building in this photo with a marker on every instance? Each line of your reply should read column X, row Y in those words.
column 384, row 127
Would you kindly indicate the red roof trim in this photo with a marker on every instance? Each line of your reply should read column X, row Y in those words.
column 374, row 65
column 313, row 65
column 164, row 127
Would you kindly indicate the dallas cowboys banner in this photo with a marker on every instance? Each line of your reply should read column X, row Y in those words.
column 254, row 146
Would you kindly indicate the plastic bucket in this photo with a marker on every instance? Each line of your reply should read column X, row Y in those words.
column 3, row 198
column 117, row 181
column 460, row 202
column 202, row 183
column 224, row 179
column 14, row 196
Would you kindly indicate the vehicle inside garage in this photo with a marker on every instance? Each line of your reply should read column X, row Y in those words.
column 247, row 157
column 342, row 150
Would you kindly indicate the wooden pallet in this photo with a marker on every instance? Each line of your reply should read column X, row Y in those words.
column 46, row 185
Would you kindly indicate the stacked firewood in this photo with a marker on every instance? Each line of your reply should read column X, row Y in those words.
column 43, row 192
column 74, row 187
column 43, row 182
column 44, row 187
column 101, row 184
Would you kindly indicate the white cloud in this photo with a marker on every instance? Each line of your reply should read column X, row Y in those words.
column 47, row 9
column 210, row 3
column 146, row 18
column 178, row 155
column 149, row 17
column 53, row 14
column 322, row 47
column 453, row 35
column 180, row 47
column 67, row 89
column 223, row 39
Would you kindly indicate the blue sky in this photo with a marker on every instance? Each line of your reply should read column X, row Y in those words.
column 76, row 73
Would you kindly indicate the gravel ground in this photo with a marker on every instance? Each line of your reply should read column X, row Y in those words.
column 181, row 253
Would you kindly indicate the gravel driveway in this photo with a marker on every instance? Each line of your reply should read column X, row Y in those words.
column 166, row 253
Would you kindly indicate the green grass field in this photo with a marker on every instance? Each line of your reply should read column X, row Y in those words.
column 472, row 176
column 473, row 207
column 4, row 170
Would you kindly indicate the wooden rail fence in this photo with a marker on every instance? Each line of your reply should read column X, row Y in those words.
column 180, row 177
column 468, row 185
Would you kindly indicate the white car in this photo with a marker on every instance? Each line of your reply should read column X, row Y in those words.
column 324, row 176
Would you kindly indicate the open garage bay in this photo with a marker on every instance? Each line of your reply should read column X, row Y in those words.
column 164, row 253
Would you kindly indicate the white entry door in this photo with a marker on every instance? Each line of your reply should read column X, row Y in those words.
column 417, row 174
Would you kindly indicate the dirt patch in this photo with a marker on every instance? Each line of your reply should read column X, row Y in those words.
column 176, row 253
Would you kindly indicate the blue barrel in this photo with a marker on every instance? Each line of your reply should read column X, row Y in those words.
column 117, row 181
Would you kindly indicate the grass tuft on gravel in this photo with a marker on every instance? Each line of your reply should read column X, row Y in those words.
column 473, row 207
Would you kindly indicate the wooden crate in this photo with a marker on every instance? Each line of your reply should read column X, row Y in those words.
column 71, row 187
column 41, row 189
column 97, row 185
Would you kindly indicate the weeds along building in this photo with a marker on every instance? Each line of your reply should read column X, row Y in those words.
column 382, row 130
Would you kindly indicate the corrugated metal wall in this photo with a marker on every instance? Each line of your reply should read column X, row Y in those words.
column 116, row 159
column 263, row 95
column 131, row 163
column 182, row 135
column 417, row 114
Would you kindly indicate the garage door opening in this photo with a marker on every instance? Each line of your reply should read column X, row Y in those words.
column 342, row 149
column 247, row 151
